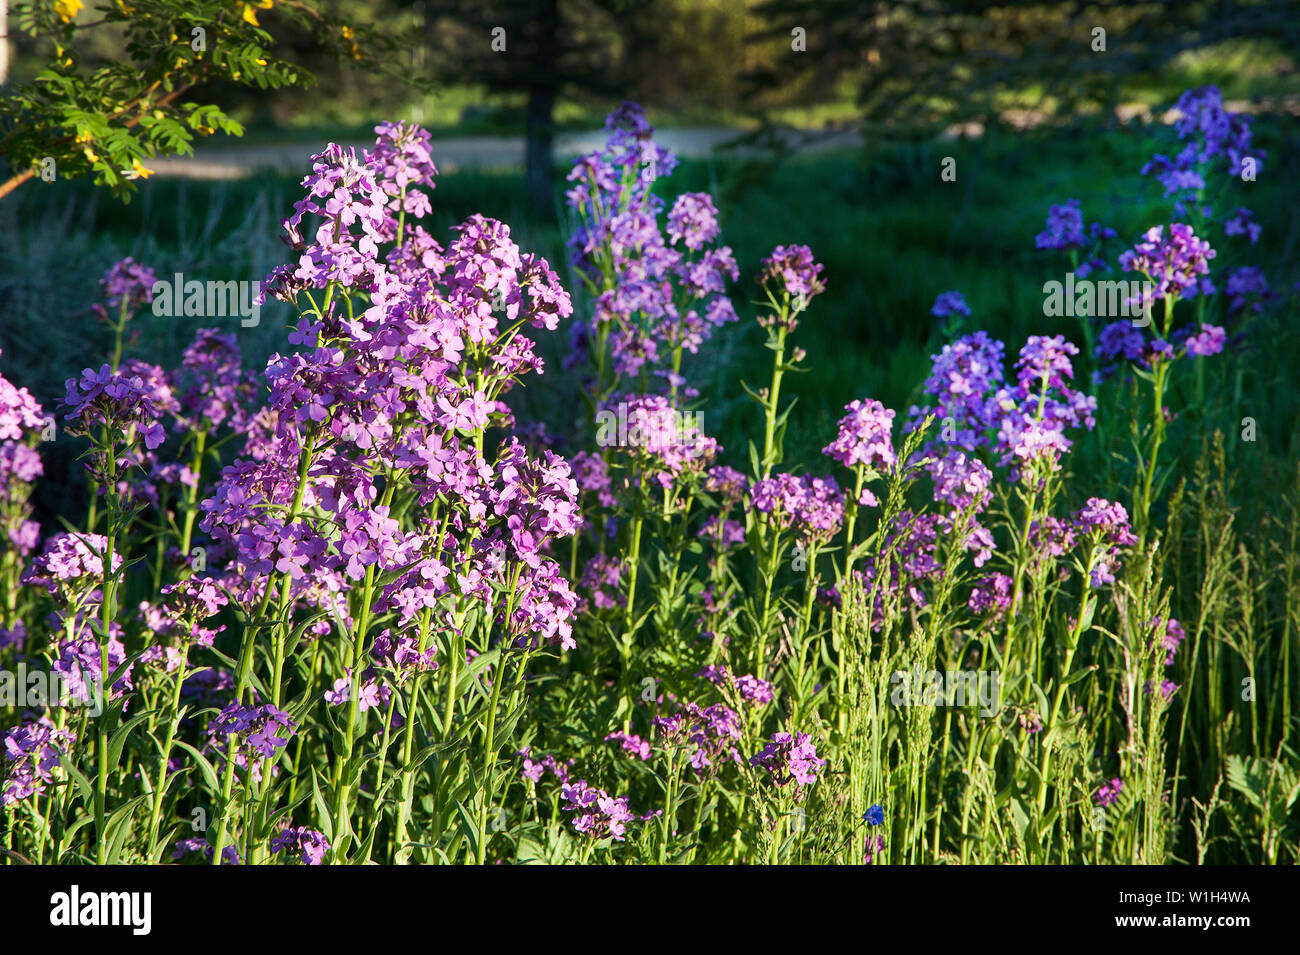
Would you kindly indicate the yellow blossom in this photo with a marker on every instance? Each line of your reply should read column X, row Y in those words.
column 350, row 35
column 67, row 9
column 137, row 171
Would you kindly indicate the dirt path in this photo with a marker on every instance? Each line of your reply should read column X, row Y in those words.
column 239, row 161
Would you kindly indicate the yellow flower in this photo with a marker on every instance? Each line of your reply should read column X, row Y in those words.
column 350, row 35
column 84, row 136
column 90, row 154
column 67, row 9
column 137, row 171
column 250, row 15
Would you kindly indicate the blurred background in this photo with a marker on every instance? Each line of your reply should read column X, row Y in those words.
column 822, row 123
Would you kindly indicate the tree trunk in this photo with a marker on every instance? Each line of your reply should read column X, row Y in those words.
column 4, row 42
column 538, row 174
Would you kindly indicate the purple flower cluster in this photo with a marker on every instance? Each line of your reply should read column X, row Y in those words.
column 991, row 595
column 534, row 769
column 229, row 855
column 119, row 402
column 1242, row 222
column 600, row 579
column 752, row 689
column 790, row 758
column 1066, row 231
column 1023, row 423
column 710, row 732
column 70, row 559
column 790, row 273
column 402, row 160
column 128, row 285
column 1042, row 406
column 260, row 733
column 813, row 507
column 32, row 751
column 864, row 437
column 597, row 814
column 653, row 297
column 910, row 544
column 1172, row 637
column 400, row 392
column 1108, row 793
column 1247, row 288
column 310, row 845
column 80, row 662
column 211, row 387
column 1178, row 263
column 664, row 442
column 632, row 744
column 964, row 379
column 950, row 303
column 1107, row 523
column 1211, row 134
column 19, row 411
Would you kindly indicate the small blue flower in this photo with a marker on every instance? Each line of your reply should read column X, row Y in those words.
column 874, row 816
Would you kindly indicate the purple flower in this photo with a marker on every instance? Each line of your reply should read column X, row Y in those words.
column 18, row 411
column 32, row 751
column 1243, row 223
column 1064, row 227
column 811, row 506
column 1108, row 524
column 631, row 744
column 950, row 303
column 128, row 284
column 597, row 814
column 1247, row 286
column 1174, row 262
column 790, row 758
column 790, row 270
column 69, row 560
column 872, row 847
column 991, row 595
column 308, row 843
column 260, row 733
column 129, row 401
column 710, row 733
column 864, row 437
column 963, row 379
column 1172, row 639
column 1208, row 341
column 1109, row 792
column 693, row 220
column 1120, row 340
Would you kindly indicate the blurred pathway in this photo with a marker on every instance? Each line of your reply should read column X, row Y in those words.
column 239, row 161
